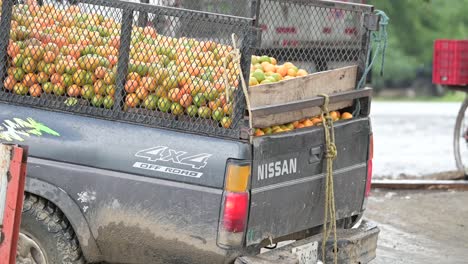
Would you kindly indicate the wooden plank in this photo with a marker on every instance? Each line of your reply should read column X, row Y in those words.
column 328, row 82
column 287, row 117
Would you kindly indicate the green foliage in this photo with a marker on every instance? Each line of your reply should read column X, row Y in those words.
column 413, row 27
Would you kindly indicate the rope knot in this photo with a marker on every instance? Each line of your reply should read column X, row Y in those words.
column 332, row 152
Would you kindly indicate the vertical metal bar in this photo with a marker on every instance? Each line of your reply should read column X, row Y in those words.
column 255, row 14
column 362, row 60
column 143, row 16
column 5, row 25
column 124, row 55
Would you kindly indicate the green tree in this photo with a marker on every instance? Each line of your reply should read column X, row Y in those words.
column 414, row 25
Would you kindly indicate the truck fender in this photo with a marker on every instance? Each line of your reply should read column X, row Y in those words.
column 71, row 211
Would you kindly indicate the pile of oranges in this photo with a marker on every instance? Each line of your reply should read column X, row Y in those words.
column 306, row 122
column 266, row 70
column 71, row 54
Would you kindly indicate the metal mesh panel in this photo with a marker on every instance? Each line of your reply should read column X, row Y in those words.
column 311, row 34
column 169, row 64
column 150, row 65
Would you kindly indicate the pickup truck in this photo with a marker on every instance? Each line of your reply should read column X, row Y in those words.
column 116, row 191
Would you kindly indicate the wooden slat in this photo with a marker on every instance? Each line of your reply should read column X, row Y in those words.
column 328, row 82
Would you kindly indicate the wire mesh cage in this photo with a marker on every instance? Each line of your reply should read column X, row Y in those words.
column 171, row 64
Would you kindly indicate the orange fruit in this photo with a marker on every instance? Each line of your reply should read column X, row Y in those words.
column 35, row 90
column 335, row 115
column 49, row 57
column 131, row 86
column 56, row 78
column 30, row 79
column 308, row 123
column 301, row 72
column 74, row 90
column 259, row 132
column 132, row 100
column 282, row 70
column 273, row 61
column 316, row 120
column 186, row 100
column 288, row 65
column 292, row 72
column 269, row 67
column 175, row 94
column 13, row 49
column 300, row 125
column 346, row 115
column 9, row 83
column 149, row 83
column 141, row 92
column 100, row 72
column 134, row 76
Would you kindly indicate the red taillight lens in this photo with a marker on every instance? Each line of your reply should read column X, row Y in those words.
column 236, row 207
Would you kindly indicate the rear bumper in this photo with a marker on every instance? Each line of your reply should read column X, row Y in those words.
column 357, row 245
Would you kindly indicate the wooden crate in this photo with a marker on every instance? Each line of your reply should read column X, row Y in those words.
column 294, row 91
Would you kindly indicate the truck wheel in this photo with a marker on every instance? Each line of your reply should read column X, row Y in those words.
column 46, row 236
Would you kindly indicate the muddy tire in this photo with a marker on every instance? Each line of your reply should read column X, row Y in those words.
column 46, row 236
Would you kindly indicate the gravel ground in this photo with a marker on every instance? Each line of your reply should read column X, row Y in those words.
column 420, row 227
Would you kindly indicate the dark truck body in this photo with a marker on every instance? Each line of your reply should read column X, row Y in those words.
column 144, row 186
column 128, row 208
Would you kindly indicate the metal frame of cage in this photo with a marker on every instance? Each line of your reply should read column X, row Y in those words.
column 247, row 30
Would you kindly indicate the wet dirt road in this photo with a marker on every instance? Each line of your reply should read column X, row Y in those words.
column 413, row 138
column 420, row 227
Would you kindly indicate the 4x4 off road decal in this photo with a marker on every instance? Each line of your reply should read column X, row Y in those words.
column 162, row 154
column 17, row 129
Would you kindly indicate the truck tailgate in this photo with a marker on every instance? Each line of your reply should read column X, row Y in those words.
column 287, row 194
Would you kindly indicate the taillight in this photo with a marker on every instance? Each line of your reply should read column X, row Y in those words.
column 235, row 206
column 369, row 165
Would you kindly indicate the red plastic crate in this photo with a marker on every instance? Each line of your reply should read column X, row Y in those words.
column 450, row 62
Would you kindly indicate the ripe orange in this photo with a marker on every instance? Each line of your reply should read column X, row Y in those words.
column 9, row 83
column 149, row 83
column 35, row 90
column 134, row 76
column 56, row 78
column 30, row 79
column 175, row 94
column 292, row 72
column 259, row 132
column 335, row 115
column 346, row 115
column 301, row 72
column 131, row 86
column 282, row 70
column 100, row 72
column 308, row 123
column 141, row 92
column 74, row 90
column 49, row 57
column 132, row 100
column 288, row 65
column 186, row 100
column 316, row 120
